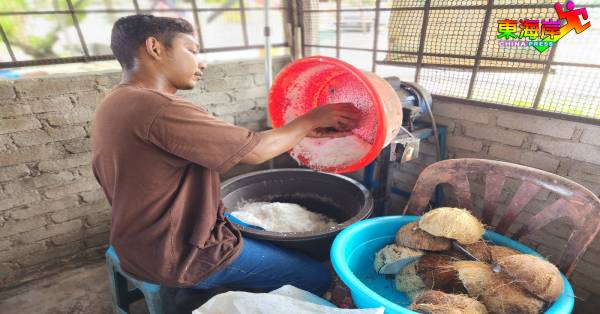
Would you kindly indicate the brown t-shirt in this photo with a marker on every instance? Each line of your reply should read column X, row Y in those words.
column 158, row 159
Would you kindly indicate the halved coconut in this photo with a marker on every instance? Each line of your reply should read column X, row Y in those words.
column 437, row 273
column 536, row 275
column 452, row 223
column 409, row 282
column 497, row 252
column 391, row 253
column 410, row 235
column 481, row 250
column 437, row 302
column 475, row 276
column 503, row 296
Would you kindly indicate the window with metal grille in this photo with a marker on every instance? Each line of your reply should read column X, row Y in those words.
column 452, row 48
column 38, row 32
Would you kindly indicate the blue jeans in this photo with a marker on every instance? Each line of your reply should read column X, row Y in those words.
column 262, row 265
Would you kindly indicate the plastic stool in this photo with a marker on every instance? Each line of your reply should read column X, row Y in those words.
column 159, row 299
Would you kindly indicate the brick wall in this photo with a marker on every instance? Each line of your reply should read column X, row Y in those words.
column 569, row 149
column 52, row 212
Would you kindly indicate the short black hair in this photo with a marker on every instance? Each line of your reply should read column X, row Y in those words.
column 131, row 31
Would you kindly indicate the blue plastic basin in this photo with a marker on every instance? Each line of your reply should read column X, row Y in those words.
column 354, row 249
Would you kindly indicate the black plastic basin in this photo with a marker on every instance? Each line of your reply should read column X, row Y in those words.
column 333, row 195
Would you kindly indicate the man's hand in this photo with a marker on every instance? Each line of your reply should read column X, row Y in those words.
column 333, row 120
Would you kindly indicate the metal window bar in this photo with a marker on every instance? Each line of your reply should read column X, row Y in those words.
column 479, row 64
column 86, row 53
column 87, row 57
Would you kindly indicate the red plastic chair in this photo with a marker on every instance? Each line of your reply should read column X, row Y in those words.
column 575, row 202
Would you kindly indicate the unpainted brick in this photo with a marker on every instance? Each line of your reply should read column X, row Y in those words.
column 250, row 116
column 49, row 179
column 67, row 238
column 12, row 125
column 51, row 254
column 573, row 150
column 13, row 172
column 485, row 132
column 7, row 91
column 5, row 244
column 213, row 72
column 19, row 200
column 536, row 124
column 464, row 143
column 29, row 154
column 244, row 67
column 53, row 85
column 14, row 110
column 71, row 188
column 75, row 116
column 89, row 99
column 86, row 171
column 53, row 104
column 79, row 211
column 96, row 240
column 66, row 133
column 77, row 146
column 506, row 153
column 206, row 99
column 229, row 83
column 17, row 252
column 45, row 206
column 50, row 230
column 540, row 160
column 31, row 138
column 462, row 112
column 95, row 219
column 93, row 196
column 250, row 93
column 231, row 108
column 71, row 161
column 14, row 227
column 591, row 135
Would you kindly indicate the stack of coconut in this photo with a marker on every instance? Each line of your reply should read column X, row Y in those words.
column 443, row 280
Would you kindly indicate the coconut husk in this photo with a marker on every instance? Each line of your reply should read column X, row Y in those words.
column 474, row 276
column 452, row 223
column 437, row 273
column 497, row 252
column 392, row 253
column 409, row 282
column 540, row 277
column 437, row 302
column 411, row 236
column 481, row 250
column 504, row 296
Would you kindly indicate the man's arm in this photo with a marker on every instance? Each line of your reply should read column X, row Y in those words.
column 275, row 142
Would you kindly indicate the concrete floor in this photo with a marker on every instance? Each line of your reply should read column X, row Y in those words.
column 78, row 291
column 85, row 290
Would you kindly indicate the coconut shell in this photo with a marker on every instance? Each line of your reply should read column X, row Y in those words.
column 503, row 296
column 453, row 223
column 409, row 282
column 437, row 302
column 481, row 250
column 411, row 236
column 392, row 253
column 540, row 277
column 437, row 273
column 497, row 252
column 474, row 276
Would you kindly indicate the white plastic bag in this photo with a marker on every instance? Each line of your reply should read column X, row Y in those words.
column 287, row 299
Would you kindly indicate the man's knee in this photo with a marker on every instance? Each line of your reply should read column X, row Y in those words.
column 320, row 278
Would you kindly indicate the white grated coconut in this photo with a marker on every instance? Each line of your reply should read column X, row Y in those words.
column 331, row 152
column 282, row 217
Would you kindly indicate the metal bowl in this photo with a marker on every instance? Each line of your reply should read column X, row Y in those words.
column 333, row 195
